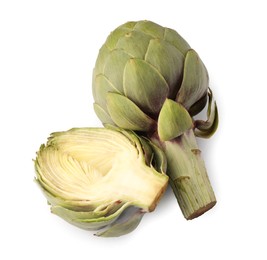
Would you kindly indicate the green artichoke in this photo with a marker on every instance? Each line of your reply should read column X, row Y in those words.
column 148, row 79
column 101, row 179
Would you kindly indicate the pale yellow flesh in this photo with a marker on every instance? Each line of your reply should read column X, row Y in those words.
column 100, row 170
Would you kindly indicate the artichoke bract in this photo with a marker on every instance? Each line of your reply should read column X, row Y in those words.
column 148, row 79
column 101, row 179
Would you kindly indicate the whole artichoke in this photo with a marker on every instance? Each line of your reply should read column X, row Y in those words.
column 101, row 179
column 148, row 79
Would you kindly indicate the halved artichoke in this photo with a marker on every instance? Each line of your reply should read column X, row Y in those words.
column 101, row 179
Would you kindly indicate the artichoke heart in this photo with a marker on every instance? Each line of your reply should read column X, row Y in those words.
column 101, row 178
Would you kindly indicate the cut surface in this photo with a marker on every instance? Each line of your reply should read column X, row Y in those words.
column 202, row 210
column 99, row 167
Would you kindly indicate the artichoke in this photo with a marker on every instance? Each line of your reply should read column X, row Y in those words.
column 101, row 179
column 148, row 79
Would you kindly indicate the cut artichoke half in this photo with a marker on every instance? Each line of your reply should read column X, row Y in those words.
column 97, row 178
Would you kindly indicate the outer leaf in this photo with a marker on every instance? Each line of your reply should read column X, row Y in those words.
column 198, row 106
column 169, row 61
column 75, row 215
column 207, row 128
column 150, row 28
column 114, row 67
column 129, row 25
column 195, row 81
column 87, row 220
column 127, row 115
column 176, row 40
column 147, row 150
column 100, row 62
column 125, row 224
column 113, row 38
column 101, row 87
column 134, row 43
column 144, row 85
column 173, row 120
column 159, row 159
column 102, row 115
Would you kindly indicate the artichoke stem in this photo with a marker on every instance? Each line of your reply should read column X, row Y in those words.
column 188, row 175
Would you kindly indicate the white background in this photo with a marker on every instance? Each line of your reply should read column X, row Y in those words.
column 47, row 53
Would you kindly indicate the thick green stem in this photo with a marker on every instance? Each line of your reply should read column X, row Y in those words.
column 188, row 176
